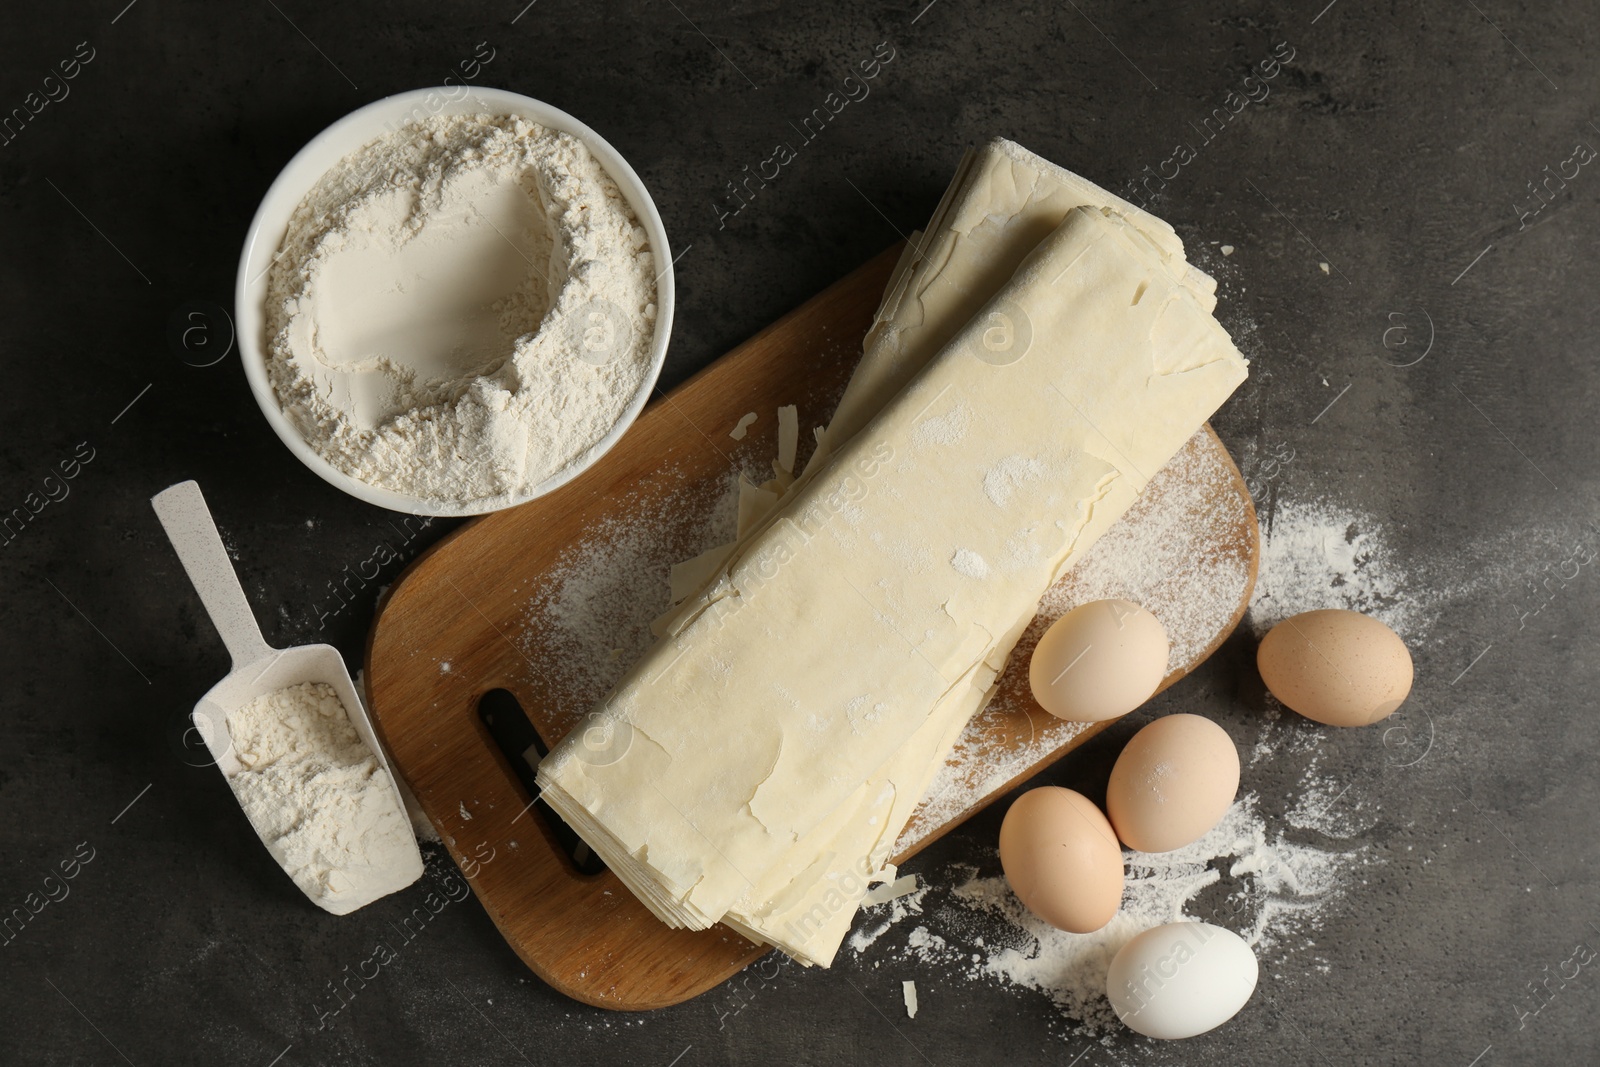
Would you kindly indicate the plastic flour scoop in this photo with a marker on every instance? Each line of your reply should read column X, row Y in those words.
column 259, row 669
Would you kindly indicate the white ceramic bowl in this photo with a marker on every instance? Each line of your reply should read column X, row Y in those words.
column 357, row 129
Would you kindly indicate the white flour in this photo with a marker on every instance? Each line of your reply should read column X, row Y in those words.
column 316, row 795
column 589, row 619
column 970, row 564
column 1268, row 889
column 461, row 310
column 1168, row 555
column 1172, row 553
column 1317, row 555
column 1272, row 883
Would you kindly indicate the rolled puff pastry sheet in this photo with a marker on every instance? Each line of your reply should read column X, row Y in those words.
column 781, row 733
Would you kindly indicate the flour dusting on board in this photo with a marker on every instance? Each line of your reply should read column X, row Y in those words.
column 1169, row 554
column 589, row 619
column 1175, row 553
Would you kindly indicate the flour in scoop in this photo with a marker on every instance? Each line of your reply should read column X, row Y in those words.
column 461, row 310
column 315, row 794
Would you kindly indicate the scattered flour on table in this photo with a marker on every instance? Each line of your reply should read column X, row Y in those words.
column 883, row 917
column 1255, row 880
column 1274, row 881
column 1336, row 806
column 316, row 795
column 1317, row 554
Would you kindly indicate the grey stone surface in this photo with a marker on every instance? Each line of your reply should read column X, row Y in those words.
column 1396, row 147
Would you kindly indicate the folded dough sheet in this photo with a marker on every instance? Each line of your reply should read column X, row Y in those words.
column 758, row 762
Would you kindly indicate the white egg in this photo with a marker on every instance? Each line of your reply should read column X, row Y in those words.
column 1181, row 980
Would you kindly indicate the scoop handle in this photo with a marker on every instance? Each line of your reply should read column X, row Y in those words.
column 193, row 533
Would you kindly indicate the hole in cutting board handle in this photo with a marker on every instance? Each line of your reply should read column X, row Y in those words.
column 521, row 745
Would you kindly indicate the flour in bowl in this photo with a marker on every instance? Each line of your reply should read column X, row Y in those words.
column 461, row 310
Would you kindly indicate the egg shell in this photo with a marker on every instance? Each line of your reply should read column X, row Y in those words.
column 1180, row 980
column 1172, row 783
column 1098, row 661
column 1061, row 859
column 1337, row 667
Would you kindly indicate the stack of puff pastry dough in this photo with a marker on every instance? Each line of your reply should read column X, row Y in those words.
column 1039, row 354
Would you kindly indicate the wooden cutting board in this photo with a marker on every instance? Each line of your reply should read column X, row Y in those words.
column 548, row 603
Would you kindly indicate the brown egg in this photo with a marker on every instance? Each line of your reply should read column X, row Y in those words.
column 1098, row 661
column 1173, row 782
column 1338, row 667
column 1062, row 859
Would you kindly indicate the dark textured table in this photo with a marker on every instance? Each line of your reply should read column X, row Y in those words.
column 1414, row 236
